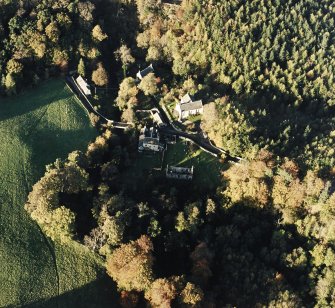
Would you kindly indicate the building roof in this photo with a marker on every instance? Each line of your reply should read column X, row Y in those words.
column 186, row 99
column 191, row 106
column 149, row 133
column 157, row 118
column 180, row 173
column 180, row 169
column 82, row 82
column 149, row 136
column 146, row 71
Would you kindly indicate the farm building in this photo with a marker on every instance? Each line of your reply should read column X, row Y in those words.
column 84, row 86
column 150, row 140
column 187, row 107
column 141, row 74
column 179, row 173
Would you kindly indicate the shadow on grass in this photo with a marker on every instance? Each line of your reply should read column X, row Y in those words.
column 48, row 144
column 100, row 293
column 33, row 99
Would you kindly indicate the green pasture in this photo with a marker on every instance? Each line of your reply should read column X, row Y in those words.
column 36, row 127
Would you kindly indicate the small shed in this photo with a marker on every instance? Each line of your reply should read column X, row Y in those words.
column 83, row 85
column 141, row 74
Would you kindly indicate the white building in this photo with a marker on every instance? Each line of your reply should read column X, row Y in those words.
column 149, row 140
column 146, row 71
column 84, row 86
column 187, row 107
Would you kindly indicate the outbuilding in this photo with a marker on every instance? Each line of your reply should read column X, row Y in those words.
column 141, row 74
column 83, row 85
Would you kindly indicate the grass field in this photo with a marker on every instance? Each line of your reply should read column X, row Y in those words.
column 207, row 168
column 37, row 127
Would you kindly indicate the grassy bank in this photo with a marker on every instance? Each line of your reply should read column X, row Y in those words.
column 37, row 127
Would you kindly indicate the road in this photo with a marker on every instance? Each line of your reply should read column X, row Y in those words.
column 168, row 128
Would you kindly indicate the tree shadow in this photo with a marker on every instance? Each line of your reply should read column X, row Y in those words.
column 31, row 99
column 121, row 24
column 249, row 263
column 99, row 293
column 284, row 127
column 49, row 143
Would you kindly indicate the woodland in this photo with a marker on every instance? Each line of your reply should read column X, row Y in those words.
column 264, row 236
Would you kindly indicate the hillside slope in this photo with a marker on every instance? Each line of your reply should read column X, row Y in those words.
column 36, row 128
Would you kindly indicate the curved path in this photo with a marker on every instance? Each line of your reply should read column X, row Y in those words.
column 205, row 144
column 167, row 128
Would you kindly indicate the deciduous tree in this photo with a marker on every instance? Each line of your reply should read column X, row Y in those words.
column 131, row 265
column 100, row 76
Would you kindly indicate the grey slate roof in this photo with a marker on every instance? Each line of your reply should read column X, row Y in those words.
column 191, row 106
column 146, row 71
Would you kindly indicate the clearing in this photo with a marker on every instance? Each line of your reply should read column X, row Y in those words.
column 36, row 127
column 208, row 169
column 147, row 168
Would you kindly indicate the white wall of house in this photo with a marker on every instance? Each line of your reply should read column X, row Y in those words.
column 186, row 114
column 139, row 76
column 152, row 147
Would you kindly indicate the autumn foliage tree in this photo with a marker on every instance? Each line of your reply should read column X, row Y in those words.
column 161, row 293
column 123, row 54
column 100, row 76
column 149, row 84
column 130, row 265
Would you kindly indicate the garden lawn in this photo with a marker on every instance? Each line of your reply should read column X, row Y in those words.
column 37, row 127
column 142, row 166
column 207, row 168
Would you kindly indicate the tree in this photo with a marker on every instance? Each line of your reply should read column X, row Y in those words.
column 210, row 118
column 43, row 202
column 98, row 34
column 201, row 258
column 114, row 229
column 191, row 295
column 52, row 32
column 131, row 265
column 14, row 67
column 60, row 58
column 129, row 299
column 128, row 90
column 97, row 149
column 86, row 11
column 161, row 293
column 248, row 182
column 81, row 68
column 61, row 224
column 10, row 84
column 100, row 76
column 148, row 10
column 123, row 54
column 95, row 240
column 148, row 84
column 128, row 115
